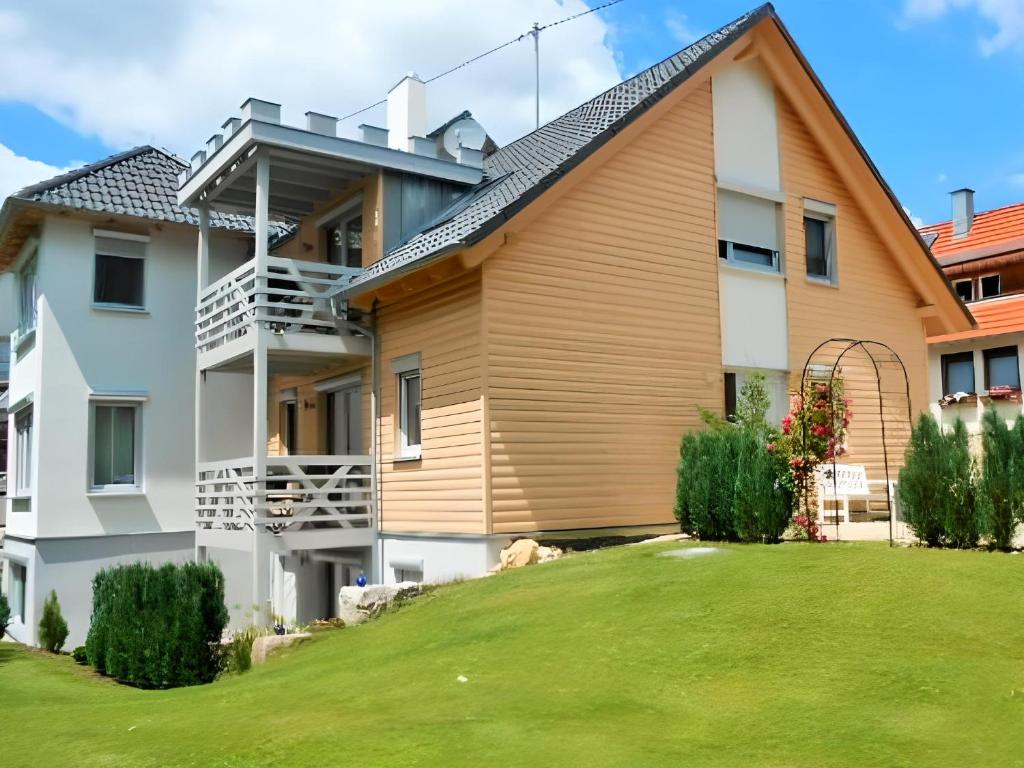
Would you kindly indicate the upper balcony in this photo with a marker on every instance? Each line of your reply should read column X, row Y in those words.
column 293, row 301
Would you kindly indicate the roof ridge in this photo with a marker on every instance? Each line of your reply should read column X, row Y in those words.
column 944, row 222
column 82, row 171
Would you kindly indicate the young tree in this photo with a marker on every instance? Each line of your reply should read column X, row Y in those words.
column 53, row 630
column 960, row 508
column 999, row 480
column 921, row 488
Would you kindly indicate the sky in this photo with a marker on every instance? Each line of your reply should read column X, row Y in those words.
column 933, row 88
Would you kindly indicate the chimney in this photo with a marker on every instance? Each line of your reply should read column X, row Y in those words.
column 407, row 112
column 963, row 211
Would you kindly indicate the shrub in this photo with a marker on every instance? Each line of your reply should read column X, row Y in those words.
column 79, row 655
column 157, row 627
column 924, row 486
column 762, row 506
column 236, row 655
column 706, row 483
column 53, row 630
column 960, row 506
column 5, row 615
column 1000, row 479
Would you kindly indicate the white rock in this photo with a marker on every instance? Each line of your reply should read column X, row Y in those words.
column 519, row 553
column 264, row 644
column 660, row 539
column 357, row 604
column 546, row 554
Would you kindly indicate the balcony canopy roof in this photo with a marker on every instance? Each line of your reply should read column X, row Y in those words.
column 306, row 167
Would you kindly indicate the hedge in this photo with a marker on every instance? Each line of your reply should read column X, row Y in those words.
column 157, row 627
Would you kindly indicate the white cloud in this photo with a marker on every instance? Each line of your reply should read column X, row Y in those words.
column 172, row 72
column 17, row 172
column 1007, row 16
column 917, row 221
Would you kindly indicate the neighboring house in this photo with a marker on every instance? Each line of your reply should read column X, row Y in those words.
column 8, row 320
column 101, row 262
column 982, row 254
column 462, row 347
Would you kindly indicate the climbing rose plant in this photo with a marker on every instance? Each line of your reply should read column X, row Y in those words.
column 813, row 433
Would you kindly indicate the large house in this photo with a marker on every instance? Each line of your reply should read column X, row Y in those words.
column 466, row 344
column 983, row 256
column 98, row 273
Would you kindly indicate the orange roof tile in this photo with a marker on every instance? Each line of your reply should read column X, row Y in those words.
column 994, row 316
column 990, row 229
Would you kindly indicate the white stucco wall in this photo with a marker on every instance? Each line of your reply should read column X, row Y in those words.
column 746, row 127
column 444, row 558
column 8, row 303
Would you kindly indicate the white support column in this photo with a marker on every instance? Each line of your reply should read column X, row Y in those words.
column 260, row 373
column 202, row 280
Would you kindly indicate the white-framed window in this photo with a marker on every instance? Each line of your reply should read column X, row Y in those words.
column 748, row 231
column 964, row 289
column 820, row 240
column 23, row 439
column 19, row 579
column 989, row 286
column 119, row 276
column 28, row 294
column 115, row 461
column 409, row 401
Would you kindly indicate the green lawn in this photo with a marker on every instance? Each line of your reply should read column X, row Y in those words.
column 792, row 655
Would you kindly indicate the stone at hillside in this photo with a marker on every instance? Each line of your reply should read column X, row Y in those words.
column 546, row 554
column 357, row 604
column 264, row 644
column 519, row 553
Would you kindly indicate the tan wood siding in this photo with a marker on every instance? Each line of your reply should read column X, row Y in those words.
column 443, row 491
column 603, row 336
column 873, row 299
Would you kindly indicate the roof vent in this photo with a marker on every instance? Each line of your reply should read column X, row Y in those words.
column 264, row 111
column 326, row 125
column 963, row 211
column 371, row 134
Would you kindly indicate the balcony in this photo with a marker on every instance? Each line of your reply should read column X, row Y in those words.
column 304, row 502
column 291, row 301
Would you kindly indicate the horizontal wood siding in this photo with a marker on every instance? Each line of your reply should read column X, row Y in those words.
column 602, row 336
column 443, row 492
column 873, row 300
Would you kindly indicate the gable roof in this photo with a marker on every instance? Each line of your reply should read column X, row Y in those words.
column 519, row 172
column 993, row 232
column 1004, row 314
column 141, row 182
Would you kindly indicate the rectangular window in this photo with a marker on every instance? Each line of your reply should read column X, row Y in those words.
column 27, row 295
column 5, row 363
column 23, row 452
column 730, row 396
column 990, row 286
column 958, row 373
column 115, row 444
column 748, row 231
column 409, row 414
column 1001, row 368
column 964, row 289
column 19, row 576
column 775, row 384
column 343, row 237
column 120, row 270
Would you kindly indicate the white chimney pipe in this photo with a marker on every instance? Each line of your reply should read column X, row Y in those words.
column 407, row 112
column 963, row 211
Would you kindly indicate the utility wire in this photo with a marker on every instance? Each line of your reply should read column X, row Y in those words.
column 532, row 32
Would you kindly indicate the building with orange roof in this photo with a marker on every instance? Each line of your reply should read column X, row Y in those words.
column 983, row 256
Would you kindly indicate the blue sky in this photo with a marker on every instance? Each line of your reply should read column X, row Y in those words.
column 932, row 87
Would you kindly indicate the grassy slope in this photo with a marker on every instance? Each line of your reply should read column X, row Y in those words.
column 792, row 655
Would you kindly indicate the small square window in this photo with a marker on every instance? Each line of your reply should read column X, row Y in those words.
column 958, row 373
column 115, row 444
column 1001, row 368
column 819, row 242
column 119, row 277
column 964, row 289
column 991, row 286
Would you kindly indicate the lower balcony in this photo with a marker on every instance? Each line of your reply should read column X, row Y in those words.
column 303, row 502
column 293, row 302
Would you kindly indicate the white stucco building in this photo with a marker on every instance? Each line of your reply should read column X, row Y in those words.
column 96, row 297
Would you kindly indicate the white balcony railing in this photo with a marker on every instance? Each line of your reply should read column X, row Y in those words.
column 298, row 493
column 292, row 296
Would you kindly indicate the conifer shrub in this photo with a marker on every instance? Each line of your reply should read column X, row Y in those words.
column 5, row 615
column 1002, row 483
column 706, row 483
column 961, row 526
column 53, row 630
column 762, row 505
column 157, row 627
column 924, row 482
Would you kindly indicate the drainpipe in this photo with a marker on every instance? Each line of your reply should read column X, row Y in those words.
column 341, row 322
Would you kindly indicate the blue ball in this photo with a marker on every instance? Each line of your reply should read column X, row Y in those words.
column 360, row 580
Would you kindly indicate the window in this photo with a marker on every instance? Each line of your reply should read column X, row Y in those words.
column 289, row 426
column 820, row 240
column 115, row 446
column 344, row 238
column 990, row 286
column 27, row 295
column 730, row 396
column 5, row 362
column 19, row 575
column 748, row 231
column 345, row 421
column 409, row 388
column 958, row 373
column 775, row 384
column 1001, row 368
column 119, row 279
column 964, row 289
column 23, row 452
